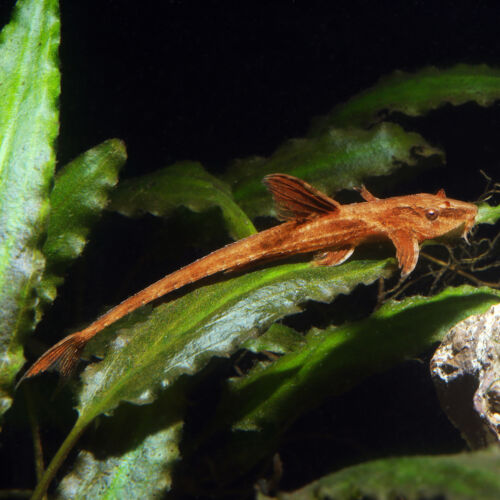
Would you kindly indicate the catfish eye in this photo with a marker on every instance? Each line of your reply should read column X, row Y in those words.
column 432, row 214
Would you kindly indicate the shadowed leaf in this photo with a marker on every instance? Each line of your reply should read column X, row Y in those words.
column 337, row 159
column 415, row 94
column 259, row 407
column 278, row 339
column 79, row 196
column 183, row 184
column 451, row 477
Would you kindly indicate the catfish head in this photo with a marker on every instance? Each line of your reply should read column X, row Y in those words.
column 434, row 216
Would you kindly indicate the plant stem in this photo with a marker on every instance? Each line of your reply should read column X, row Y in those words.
column 58, row 459
column 35, row 432
column 15, row 493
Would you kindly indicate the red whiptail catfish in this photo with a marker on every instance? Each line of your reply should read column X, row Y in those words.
column 313, row 223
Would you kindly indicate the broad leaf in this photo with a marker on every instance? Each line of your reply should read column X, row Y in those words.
column 451, row 477
column 137, row 450
column 337, row 159
column 79, row 196
column 185, row 184
column 181, row 336
column 29, row 124
column 141, row 473
column 488, row 214
column 415, row 94
column 260, row 406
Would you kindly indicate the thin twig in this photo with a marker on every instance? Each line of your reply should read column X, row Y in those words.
column 455, row 269
column 397, row 289
column 438, row 276
column 409, row 283
column 490, row 244
column 486, row 267
column 380, row 293
column 491, row 188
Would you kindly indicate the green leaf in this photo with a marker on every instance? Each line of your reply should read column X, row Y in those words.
column 451, row 477
column 415, row 94
column 488, row 214
column 79, row 196
column 29, row 124
column 262, row 405
column 182, row 184
column 278, row 339
column 133, row 461
column 140, row 473
column 338, row 159
column 180, row 337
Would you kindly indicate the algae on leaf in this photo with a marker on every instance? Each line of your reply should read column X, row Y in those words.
column 143, row 472
column 131, row 461
column 28, row 128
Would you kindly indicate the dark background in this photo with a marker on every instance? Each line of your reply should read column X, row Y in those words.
column 223, row 80
column 214, row 81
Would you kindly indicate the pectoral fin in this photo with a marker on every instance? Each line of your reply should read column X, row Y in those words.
column 333, row 257
column 407, row 250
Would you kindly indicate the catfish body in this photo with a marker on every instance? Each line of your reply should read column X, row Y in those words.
column 313, row 223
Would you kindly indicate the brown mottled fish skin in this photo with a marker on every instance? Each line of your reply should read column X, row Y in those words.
column 314, row 223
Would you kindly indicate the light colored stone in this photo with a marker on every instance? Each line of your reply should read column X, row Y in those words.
column 466, row 373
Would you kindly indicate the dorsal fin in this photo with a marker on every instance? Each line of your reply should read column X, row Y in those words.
column 296, row 199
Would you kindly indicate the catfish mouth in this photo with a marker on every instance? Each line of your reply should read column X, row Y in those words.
column 467, row 228
column 469, row 224
column 460, row 231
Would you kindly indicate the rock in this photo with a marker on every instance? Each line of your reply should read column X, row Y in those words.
column 466, row 373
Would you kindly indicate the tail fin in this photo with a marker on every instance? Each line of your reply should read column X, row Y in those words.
column 64, row 356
